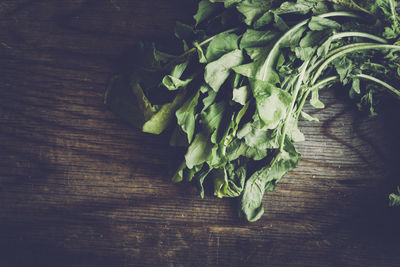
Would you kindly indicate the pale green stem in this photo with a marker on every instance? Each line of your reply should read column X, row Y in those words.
column 394, row 15
column 350, row 4
column 316, row 86
column 380, row 82
column 335, row 51
column 273, row 54
column 337, row 78
column 359, row 34
column 347, row 50
column 294, row 96
column 193, row 49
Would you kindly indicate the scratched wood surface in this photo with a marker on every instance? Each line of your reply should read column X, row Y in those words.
column 78, row 187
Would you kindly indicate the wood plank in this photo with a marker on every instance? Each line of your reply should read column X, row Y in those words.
column 78, row 187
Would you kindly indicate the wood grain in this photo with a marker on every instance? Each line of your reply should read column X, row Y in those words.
column 78, row 187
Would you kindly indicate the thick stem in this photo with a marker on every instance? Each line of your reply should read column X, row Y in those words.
column 273, row 54
column 359, row 34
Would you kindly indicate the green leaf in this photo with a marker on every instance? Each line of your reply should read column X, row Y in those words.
column 218, row 71
column 186, row 116
column 314, row 101
column 173, row 81
column 220, row 45
column 313, row 38
column 251, row 9
column 210, row 98
column 344, row 67
column 308, row 117
column 324, row 48
column 198, row 151
column 294, row 39
column 259, row 137
column 200, row 53
column 264, row 20
column 241, row 94
column 253, row 38
column 161, row 120
column 199, row 178
column 257, row 53
column 356, row 86
column 220, row 182
column 300, row 8
column 238, row 148
column 211, row 119
column 280, row 24
column 204, row 11
column 305, row 53
column 394, row 199
column 188, row 34
column 293, row 131
column 236, row 174
column 266, row 179
column 272, row 102
column 320, row 24
column 256, row 70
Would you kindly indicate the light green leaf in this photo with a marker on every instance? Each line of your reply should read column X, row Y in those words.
column 253, row 38
column 394, row 199
column 198, row 151
column 293, row 131
column 259, row 137
column 238, row 148
column 308, row 117
column 211, row 119
column 319, row 24
column 241, row 94
column 314, row 101
column 186, row 116
column 305, row 53
column 301, row 8
column 204, row 11
column 313, row 38
column 272, row 102
column 356, row 86
column 173, row 83
column 218, row 71
column 160, row 121
column 220, row 45
column 252, row 9
column 266, row 179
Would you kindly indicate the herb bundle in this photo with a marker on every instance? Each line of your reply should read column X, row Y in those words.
column 232, row 88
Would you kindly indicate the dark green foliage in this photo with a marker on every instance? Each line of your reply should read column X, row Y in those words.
column 246, row 68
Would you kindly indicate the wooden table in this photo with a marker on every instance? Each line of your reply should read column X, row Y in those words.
column 79, row 187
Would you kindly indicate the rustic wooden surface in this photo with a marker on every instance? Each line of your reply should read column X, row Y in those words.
column 78, row 187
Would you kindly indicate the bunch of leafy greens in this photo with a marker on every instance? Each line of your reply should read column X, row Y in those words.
column 233, row 86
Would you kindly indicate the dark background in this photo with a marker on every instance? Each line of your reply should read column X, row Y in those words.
column 79, row 187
